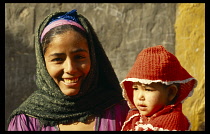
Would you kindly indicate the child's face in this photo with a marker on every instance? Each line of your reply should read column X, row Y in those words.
column 68, row 61
column 149, row 99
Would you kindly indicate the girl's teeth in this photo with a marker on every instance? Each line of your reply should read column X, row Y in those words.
column 71, row 80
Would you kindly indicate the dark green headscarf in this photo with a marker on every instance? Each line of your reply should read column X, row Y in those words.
column 99, row 91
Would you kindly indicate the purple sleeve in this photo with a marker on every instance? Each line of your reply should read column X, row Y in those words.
column 113, row 118
column 23, row 122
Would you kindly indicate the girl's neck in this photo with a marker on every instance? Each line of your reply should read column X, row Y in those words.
column 79, row 126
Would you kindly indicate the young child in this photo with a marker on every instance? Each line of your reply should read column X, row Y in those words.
column 155, row 89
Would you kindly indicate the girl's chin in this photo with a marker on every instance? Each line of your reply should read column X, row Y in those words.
column 70, row 92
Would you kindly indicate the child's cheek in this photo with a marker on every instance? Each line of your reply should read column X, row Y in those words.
column 153, row 99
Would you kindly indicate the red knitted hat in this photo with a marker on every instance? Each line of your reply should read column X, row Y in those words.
column 156, row 64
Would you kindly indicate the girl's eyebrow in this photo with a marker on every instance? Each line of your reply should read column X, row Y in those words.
column 56, row 54
column 79, row 50
column 74, row 51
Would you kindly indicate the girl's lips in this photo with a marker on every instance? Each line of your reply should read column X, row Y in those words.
column 71, row 82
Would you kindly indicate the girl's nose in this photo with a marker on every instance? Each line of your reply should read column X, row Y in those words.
column 69, row 67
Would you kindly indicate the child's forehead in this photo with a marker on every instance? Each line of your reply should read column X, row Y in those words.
column 151, row 84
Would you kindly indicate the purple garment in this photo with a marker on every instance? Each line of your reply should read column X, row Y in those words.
column 111, row 120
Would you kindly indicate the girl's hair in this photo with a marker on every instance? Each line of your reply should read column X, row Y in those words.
column 59, row 30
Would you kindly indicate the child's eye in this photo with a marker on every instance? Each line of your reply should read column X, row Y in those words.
column 135, row 88
column 147, row 89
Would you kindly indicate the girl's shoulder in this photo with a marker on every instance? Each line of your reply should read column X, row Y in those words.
column 120, row 107
column 112, row 118
column 23, row 122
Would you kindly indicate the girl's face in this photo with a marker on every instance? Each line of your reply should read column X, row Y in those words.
column 149, row 99
column 68, row 62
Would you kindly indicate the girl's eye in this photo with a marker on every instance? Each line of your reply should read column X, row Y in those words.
column 57, row 59
column 80, row 57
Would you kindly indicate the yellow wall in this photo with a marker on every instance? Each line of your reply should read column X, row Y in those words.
column 190, row 49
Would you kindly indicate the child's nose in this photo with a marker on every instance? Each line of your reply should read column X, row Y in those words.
column 141, row 96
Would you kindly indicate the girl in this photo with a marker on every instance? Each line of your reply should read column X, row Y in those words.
column 78, row 88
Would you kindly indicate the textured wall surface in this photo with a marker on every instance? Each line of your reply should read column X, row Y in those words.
column 190, row 47
column 123, row 29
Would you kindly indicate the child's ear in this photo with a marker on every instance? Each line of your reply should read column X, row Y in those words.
column 172, row 90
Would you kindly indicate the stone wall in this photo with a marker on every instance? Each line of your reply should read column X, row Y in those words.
column 123, row 29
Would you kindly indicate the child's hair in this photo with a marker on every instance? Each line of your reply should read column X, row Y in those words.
column 48, row 37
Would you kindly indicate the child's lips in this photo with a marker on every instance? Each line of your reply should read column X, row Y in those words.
column 142, row 107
